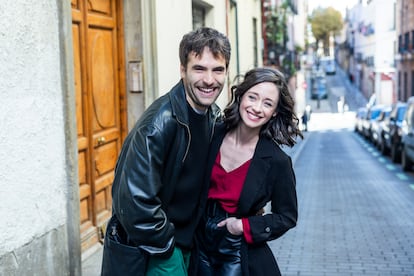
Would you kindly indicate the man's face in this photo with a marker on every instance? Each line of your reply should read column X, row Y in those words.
column 203, row 79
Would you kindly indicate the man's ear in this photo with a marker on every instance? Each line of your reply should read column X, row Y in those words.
column 182, row 71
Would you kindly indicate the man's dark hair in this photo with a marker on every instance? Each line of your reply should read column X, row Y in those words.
column 197, row 40
column 284, row 126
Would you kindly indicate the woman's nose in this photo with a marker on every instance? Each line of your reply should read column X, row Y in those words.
column 257, row 106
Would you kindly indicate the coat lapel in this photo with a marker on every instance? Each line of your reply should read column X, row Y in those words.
column 256, row 175
column 255, row 181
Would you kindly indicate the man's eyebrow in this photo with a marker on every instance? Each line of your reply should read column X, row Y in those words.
column 198, row 66
column 221, row 68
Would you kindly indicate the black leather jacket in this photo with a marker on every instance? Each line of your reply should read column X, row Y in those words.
column 148, row 167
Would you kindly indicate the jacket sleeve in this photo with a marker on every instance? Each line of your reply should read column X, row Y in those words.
column 284, row 209
column 136, row 201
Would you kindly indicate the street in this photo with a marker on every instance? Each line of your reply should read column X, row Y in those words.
column 356, row 207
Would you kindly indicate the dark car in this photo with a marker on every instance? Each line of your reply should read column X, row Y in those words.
column 407, row 138
column 319, row 90
column 392, row 132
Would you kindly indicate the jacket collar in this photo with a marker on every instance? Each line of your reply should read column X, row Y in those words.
column 255, row 180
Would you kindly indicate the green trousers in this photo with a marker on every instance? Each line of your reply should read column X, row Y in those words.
column 176, row 265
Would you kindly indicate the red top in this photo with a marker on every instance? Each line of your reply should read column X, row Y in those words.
column 226, row 187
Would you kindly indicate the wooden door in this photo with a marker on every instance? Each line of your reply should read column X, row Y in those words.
column 99, row 87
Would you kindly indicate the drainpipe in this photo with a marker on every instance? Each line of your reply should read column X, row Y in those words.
column 234, row 4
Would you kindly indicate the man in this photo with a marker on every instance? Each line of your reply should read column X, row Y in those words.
column 157, row 193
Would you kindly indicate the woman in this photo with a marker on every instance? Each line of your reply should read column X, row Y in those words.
column 247, row 169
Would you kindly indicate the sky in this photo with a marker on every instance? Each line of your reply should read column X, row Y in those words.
column 339, row 5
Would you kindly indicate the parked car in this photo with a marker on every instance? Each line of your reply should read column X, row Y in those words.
column 392, row 132
column 407, row 138
column 372, row 114
column 328, row 64
column 378, row 124
column 319, row 90
column 359, row 118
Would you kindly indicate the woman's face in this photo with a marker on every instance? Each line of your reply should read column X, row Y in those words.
column 258, row 104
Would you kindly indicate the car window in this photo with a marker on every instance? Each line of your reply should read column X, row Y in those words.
column 401, row 113
column 408, row 116
column 375, row 114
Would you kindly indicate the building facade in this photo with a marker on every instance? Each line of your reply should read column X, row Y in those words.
column 405, row 56
column 371, row 37
column 76, row 76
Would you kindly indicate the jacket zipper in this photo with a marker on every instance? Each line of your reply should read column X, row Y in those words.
column 189, row 139
column 215, row 116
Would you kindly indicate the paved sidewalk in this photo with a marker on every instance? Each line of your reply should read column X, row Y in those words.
column 91, row 261
column 353, row 96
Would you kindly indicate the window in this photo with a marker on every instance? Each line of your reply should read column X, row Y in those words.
column 255, row 48
column 199, row 15
column 412, row 83
column 406, row 40
column 412, row 41
column 400, row 97
column 405, row 85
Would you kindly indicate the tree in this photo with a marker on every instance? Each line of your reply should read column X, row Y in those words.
column 325, row 22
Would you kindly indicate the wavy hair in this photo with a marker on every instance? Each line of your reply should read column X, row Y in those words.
column 282, row 128
column 195, row 41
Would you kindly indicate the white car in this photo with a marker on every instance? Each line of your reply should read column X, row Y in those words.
column 330, row 67
column 328, row 64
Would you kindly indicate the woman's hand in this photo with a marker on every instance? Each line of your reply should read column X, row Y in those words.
column 234, row 225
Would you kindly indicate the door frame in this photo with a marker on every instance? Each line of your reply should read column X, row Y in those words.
column 71, row 143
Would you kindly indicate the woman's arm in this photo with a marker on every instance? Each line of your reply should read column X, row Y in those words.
column 284, row 209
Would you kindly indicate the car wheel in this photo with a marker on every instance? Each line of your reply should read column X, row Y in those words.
column 395, row 154
column 406, row 163
column 383, row 148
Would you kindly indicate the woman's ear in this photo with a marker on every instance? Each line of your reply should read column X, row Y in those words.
column 274, row 114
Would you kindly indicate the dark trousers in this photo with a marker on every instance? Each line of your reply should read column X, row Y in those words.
column 219, row 250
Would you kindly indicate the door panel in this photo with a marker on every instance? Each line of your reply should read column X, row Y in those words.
column 97, row 65
column 105, row 109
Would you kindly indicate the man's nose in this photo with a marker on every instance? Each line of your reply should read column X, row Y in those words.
column 208, row 77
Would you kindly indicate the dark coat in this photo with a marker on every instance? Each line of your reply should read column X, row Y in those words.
column 270, row 178
column 148, row 166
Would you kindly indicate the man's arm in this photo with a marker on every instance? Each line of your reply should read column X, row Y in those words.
column 136, row 201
